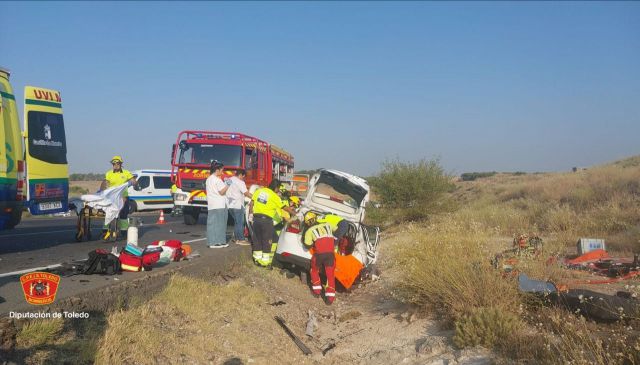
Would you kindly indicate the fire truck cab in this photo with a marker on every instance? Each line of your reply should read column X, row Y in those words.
column 193, row 152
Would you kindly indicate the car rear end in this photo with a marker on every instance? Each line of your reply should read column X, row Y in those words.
column 338, row 193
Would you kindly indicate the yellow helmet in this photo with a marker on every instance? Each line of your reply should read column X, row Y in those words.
column 309, row 217
column 115, row 159
column 295, row 201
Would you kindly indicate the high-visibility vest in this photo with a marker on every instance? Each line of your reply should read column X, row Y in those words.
column 320, row 237
column 118, row 178
column 266, row 202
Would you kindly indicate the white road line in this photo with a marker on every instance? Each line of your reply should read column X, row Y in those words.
column 196, row 240
column 29, row 270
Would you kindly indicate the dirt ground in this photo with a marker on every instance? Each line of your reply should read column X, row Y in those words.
column 365, row 326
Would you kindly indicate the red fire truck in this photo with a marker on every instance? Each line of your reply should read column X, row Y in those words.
column 193, row 152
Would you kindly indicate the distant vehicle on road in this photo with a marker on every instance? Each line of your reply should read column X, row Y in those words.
column 154, row 191
column 193, row 152
column 34, row 172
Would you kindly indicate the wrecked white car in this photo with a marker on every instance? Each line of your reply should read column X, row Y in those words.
column 339, row 193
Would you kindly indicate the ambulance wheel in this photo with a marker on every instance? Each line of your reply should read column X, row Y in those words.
column 190, row 215
column 14, row 219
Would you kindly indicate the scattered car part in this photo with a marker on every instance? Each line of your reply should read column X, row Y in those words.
column 305, row 350
column 312, row 323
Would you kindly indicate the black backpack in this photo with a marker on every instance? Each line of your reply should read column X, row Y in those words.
column 101, row 262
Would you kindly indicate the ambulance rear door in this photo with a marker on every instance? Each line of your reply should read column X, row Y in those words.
column 46, row 152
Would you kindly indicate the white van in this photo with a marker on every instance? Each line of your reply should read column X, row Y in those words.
column 154, row 191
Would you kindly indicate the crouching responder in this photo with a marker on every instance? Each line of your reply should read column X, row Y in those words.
column 116, row 177
column 320, row 237
column 265, row 206
column 339, row 226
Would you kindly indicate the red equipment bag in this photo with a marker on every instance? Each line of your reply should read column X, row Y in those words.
column 168, row 243
column 130, row 262
column 150, row 258
column 134, row 263
column 176, row 245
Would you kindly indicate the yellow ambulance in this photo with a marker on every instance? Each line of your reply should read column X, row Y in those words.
column 34, row 172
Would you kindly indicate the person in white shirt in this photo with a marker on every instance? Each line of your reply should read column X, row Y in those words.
column 217, row 207
column 235, row 199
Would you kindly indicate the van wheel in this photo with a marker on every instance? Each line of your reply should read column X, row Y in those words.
column 14, row 219
column 167, row 210
column 190, row 215
column 133, row 207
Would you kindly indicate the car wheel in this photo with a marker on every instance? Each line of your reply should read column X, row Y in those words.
column 133, row 207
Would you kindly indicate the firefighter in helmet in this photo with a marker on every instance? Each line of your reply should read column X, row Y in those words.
column 294, row 202
column 319, row 236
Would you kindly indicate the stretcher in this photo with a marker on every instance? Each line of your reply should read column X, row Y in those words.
column 104, row 204
column 83, row 225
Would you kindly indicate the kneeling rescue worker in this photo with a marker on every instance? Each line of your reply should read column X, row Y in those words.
column 320, row 237
column 265, row 206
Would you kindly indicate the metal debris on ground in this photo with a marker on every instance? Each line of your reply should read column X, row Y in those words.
column 312, row 324
column 305, row 350
column 328, row 348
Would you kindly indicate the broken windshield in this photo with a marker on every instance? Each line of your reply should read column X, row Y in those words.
column 203, row 154
column 331, row 187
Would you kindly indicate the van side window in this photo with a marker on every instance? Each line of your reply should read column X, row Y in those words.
column 162, row 182
column 143, row 182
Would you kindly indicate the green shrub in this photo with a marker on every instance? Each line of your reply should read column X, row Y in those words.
column 86, row 177
column 418, row 188
column 39, row 332
column 471, row 176
column 488, row 327
column 78, row 190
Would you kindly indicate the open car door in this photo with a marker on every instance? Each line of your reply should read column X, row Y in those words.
column 47, row 169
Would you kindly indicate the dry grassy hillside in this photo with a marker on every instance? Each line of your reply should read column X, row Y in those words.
column 444, row 264
column 602, row 201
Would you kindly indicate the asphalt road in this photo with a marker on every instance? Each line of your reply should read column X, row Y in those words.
column 44, row 242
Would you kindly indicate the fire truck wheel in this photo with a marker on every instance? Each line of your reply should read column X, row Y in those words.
column 190, row 215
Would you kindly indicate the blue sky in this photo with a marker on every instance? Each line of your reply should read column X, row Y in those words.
column 500, row 86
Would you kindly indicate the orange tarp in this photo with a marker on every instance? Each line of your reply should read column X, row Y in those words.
column 347, row 269
column 589, row 256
